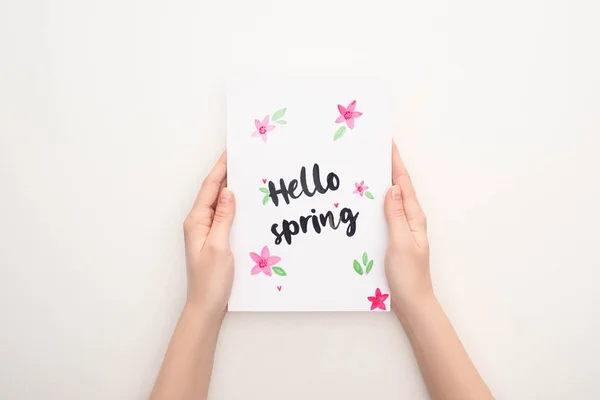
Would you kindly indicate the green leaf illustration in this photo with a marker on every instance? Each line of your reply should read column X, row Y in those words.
column 279, row 271
column 365, row 258
column 357, row 267
column 281, row 122
column 340, row 132
column 369, row 267
column 264, row 190
column 369, row 195
column 278, row 114
column 265, row 199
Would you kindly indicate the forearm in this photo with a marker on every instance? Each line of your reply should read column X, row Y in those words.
column 187, row 367
column 446, row 368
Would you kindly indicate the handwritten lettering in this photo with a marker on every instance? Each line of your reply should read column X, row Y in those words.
column 289, row 191
column 292, row 228
column 312, row 222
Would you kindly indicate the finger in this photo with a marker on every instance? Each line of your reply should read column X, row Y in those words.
column 203, row 207
column 221, row 187
column 398, row 168
column 400, row 176
column 219, row 232
column 396, row 217
column 414, row 213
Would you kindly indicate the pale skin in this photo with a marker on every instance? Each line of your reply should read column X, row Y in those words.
column 185, row 374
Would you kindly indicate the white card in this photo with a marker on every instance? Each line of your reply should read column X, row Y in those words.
column 288, row 254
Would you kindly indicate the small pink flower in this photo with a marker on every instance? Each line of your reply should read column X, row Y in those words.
column 262, row 128
column 378, row 300
column 348, row 114
column 264, row 262
column 360, row 188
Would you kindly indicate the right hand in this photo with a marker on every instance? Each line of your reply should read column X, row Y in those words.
column 407, row 257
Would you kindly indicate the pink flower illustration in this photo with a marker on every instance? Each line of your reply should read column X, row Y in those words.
column 348, row 114
column 378, row 300
column 360, row 188
column 264, row 262
column 262, row 128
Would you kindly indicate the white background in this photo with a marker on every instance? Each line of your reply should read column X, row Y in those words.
column 112, row 112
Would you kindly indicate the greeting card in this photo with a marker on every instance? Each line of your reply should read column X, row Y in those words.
column 309, row 162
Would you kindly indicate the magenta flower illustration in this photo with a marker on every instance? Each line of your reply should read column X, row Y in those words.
column 361, row 189
column 378, row 301
column 265, row 263
column 262, row 128
column 348, row 114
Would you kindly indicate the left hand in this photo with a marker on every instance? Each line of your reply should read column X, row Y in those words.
column 208, row 254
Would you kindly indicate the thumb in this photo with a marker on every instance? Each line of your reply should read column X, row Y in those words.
column 222, row 220
column 396, row 215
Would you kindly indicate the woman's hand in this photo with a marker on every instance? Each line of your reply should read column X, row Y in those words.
column 447, row 369
column 208, row 255
column 186, row 369
column 407, row 257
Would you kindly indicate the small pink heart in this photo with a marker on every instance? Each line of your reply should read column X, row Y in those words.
column 264, row 180
column 336, row 205
column 279, row 288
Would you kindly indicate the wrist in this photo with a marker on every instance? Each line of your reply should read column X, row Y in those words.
column 413, row 306
column 202, row 312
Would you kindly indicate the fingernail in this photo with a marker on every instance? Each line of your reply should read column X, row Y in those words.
column 225, row 196
column 395, row 193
